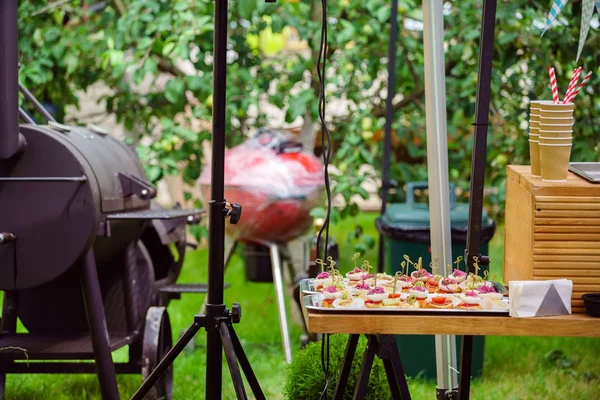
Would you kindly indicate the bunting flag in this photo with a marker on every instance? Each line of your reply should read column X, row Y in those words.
column 587, row 10
column 557, row 6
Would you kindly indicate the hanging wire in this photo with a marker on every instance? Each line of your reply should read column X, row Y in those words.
column 326, row 150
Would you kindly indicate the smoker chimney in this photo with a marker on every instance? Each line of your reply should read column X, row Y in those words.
column 11, row 142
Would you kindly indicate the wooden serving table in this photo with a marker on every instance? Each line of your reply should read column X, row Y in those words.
column 380, row 330
column 570, row 325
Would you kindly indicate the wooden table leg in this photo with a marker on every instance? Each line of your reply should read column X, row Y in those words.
column 346, row 367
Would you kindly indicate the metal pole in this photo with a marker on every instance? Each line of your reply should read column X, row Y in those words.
column 389, row 116
column 9, row 92
column 478, row 159
column 280, row 297
column 437, row 164
column 482, row 112
column 216, row 240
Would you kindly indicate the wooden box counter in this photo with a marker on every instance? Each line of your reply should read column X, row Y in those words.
column 552, row 231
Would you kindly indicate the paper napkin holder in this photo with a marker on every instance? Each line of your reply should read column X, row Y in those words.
column 540, row 298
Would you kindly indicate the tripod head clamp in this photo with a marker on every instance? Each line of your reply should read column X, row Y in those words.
column 236, row 313
column 233, row 212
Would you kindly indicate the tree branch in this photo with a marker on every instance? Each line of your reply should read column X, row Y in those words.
column 413, row 96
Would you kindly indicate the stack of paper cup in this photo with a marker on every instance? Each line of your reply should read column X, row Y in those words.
column 555, row 140
column 534, row 138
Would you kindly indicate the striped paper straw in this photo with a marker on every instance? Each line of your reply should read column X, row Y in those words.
column 553, row 85
column 573, row 83
column 583, row 82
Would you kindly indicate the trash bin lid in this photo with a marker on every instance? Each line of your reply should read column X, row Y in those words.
column 411, row 214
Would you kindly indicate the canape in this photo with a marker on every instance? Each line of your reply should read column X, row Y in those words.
column 470, row 301
column 355, row 275
column 330, row 293
column 375, row 296
column 458, row 275
column 421, row 275
column 488, row 292
column 324, row 279
column 361, row 289
column 440, row 302
column 448, row 285
column 419, row 291
column 348, row 302
column 393, row 300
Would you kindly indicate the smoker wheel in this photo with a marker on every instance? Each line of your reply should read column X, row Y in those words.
column 157, row 343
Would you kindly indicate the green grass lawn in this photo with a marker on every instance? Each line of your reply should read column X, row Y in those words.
column 514, row 367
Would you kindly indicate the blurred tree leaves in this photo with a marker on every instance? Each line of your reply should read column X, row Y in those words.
column 156, row 59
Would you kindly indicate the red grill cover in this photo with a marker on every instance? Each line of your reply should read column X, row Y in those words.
column 276, row 184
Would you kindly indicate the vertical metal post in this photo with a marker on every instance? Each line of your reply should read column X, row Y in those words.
column 478, row 160
column 9, row 92
column 482, row 112
column 389, row 117
column 280, row 297
column 216, row 239
column 437, row 164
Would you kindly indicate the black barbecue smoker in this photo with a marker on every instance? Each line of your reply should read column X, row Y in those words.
column 86, row 260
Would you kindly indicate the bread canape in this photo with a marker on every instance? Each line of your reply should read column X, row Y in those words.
column 357, row 273
column 440, row 302
column 393, row 299
column 322, row 280
column 458, row 275
column 420, row 274
column 375, row 296
column 470, row 301
column 419, row 291
column 410, row 302
column 382, row 279
column 433, row 283
column 332, row 293
column 448, row 286
column 487, row 291
column 348, row 302
column 404, row 282
column 361, row 289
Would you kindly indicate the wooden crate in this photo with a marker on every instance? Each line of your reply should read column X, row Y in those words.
column 552, row 231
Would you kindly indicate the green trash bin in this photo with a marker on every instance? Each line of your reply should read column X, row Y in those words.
column 405, row 229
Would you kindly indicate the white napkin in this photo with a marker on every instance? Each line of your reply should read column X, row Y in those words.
column 540, row 298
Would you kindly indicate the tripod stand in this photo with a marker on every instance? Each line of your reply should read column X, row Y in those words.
column 218, row 320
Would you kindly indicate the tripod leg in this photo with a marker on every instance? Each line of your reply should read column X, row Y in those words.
column 365, row 371
column 346, row 366
column 166, row 362
column 245, row 364
column 94, row 309
column 279, row 291
column 234, row 369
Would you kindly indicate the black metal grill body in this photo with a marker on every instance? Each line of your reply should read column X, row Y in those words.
column 56, row 222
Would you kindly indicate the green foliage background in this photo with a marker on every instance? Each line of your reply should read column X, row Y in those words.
column 71, row 47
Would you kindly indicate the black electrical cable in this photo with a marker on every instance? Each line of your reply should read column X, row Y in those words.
column 326, row 150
